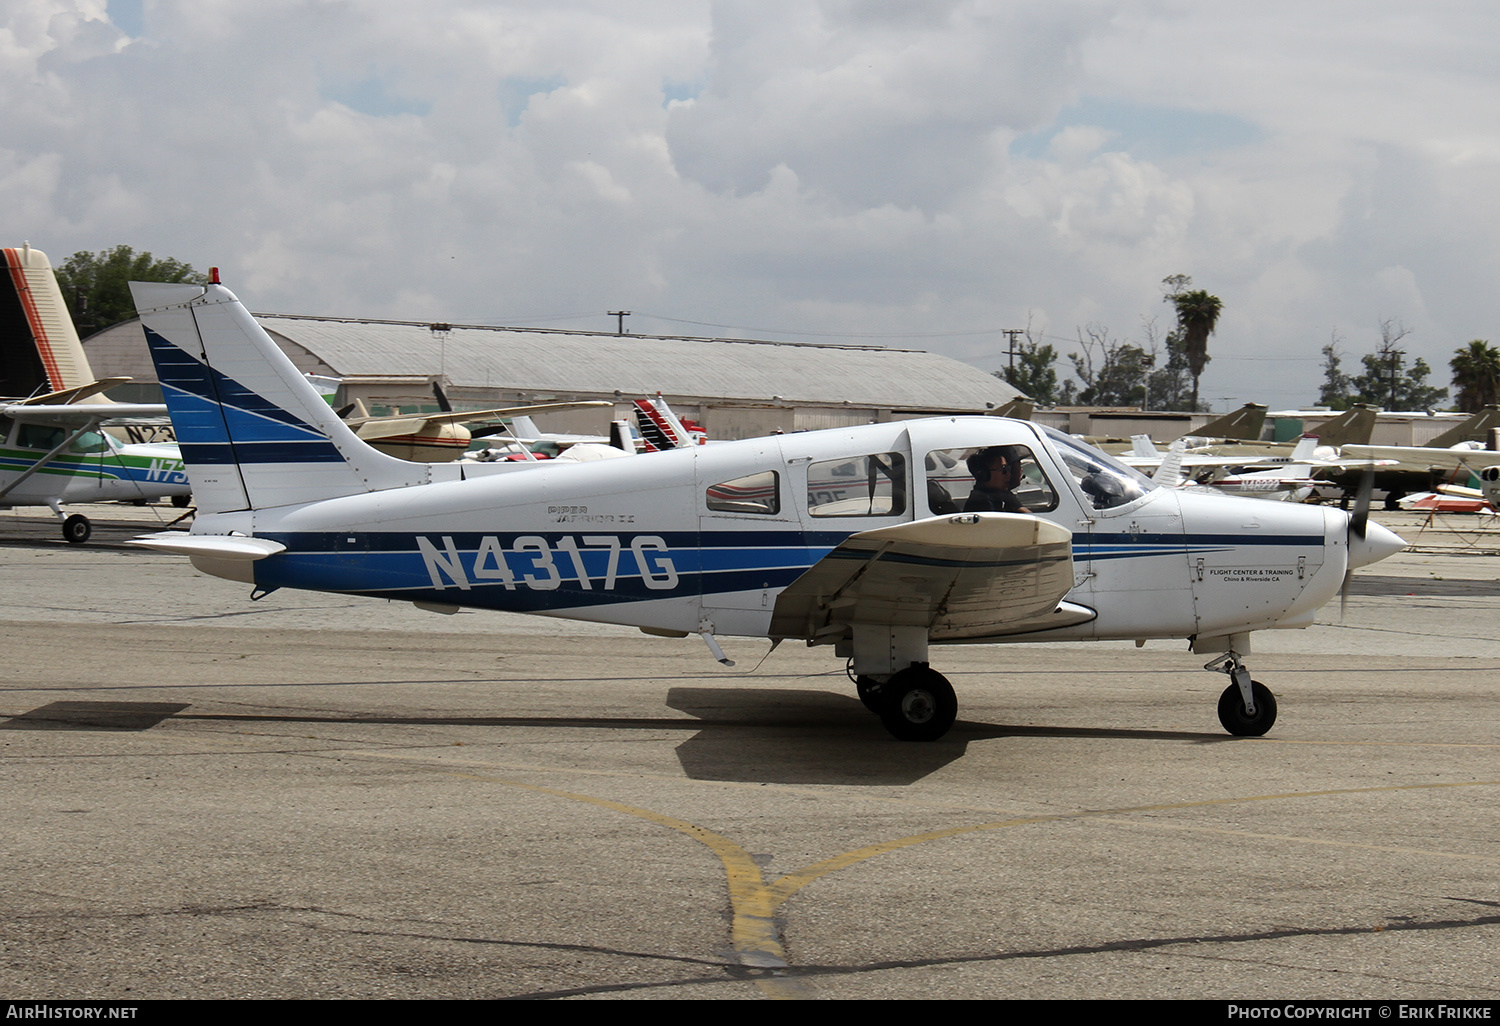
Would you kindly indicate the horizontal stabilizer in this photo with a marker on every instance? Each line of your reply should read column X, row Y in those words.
column 216, row 546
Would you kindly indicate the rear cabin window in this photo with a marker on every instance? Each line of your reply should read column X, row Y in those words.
column 39, row 436
column 1013, row 481
column 865, row 486
column 757, row 494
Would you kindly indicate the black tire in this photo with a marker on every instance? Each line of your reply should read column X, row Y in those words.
column 1232, row 710
column 77, row 529
column 181, row 501
column 919, row 704
column 870, row 693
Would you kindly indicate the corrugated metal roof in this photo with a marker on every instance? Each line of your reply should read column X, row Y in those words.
column 551, row 361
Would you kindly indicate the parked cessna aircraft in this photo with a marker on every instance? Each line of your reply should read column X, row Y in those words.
column 727, row 539
column 51, row 449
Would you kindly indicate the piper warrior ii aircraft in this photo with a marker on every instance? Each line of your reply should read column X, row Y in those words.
column 864, row 539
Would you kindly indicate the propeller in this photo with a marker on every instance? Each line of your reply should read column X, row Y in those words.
column 1359, row 528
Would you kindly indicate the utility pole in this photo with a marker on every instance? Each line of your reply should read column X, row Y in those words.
column 1012, row 334
column 1395, row 355
column 619, row 316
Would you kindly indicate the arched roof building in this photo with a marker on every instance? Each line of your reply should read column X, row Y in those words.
column 735, row 387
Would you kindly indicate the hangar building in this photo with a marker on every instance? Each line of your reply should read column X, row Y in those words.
column 735, row 388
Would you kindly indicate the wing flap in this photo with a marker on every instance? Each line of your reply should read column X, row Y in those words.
column 965, row 576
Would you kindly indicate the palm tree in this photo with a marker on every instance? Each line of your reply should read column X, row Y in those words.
column 1476, row 375
column 1197, row 316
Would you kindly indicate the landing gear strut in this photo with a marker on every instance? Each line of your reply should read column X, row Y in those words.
column 888, row 664
column 1246, row 708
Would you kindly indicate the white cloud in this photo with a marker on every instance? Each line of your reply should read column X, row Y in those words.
column 846, row 166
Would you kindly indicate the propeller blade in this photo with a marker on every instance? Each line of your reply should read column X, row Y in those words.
column 1359, row 525
column 1359, row 522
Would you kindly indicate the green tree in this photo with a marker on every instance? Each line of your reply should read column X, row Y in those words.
column 1034, row 374
column 96, row 285
column 1387, row 382
column 1336, row 384
column 1113, row 371
column 1476, row 375
column 1197, row 317
column 1169, row 386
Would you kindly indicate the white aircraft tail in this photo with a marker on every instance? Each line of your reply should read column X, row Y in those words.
column 1141, row 445
column 254, row 432
column 660, row 429
column 1169, row 473
column 39, row 347
column 1305, row 448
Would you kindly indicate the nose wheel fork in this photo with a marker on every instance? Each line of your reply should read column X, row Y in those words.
column 1246, row 708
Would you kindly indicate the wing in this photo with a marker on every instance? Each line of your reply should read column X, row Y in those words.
column 1424, row 459
column 964, row 576
column 394, row 426
column 79, row 415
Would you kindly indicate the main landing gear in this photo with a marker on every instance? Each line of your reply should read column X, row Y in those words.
column 1246, row 708
column 914, row 704
column 77, row 529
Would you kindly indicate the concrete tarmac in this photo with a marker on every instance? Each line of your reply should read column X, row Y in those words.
column 316, row 797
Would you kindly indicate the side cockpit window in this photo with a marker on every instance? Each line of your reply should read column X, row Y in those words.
column 994, row 479
column 865, row 486
column 756, row 494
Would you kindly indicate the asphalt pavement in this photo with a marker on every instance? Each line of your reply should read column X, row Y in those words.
column 311, row 796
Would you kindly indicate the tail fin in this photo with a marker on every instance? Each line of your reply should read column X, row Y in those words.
column 1244, row 424
column 1475, row 429
column 1352, row 427
column 1169, row 472
column 659, row 426
column 254, row 432
column 1020, row 408
column 39, row 347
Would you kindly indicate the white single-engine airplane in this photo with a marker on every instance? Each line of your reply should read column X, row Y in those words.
column 51, row 449
column 745, row 538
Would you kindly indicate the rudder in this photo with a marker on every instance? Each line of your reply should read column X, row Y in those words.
column 254, row 433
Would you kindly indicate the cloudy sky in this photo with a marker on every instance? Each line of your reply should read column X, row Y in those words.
column 913, row 174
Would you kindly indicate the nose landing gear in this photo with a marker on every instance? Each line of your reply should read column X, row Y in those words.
column 1246, row 708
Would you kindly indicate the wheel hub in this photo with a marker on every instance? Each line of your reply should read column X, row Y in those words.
column 918, row 706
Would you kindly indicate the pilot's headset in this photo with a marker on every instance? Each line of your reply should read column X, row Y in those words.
column 979, row 460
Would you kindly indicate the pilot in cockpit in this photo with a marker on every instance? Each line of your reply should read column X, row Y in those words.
column 997, row 473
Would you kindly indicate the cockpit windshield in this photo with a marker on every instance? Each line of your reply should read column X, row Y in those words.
column 1106, row 481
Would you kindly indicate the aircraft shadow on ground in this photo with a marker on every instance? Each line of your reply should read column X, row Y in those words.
column 135, row 716
column 749, row 735
column 744, row 738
